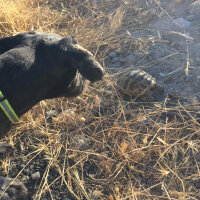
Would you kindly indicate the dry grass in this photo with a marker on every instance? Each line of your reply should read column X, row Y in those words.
column 103, row 147
column 20, row 16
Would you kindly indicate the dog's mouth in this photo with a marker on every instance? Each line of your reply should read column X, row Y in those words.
column 76, row 87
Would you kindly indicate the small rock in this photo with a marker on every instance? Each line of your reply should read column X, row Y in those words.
column 130, row 59
column 113, row 54
column 79, row 142
column 68, row 113
column 51, row 113
column 116, row 65
column 150, row 1
column 83, row 119
column 35, row 176
column 165, row 23
column 31, row 166
column 22, row 166
column 162, row 74
column 193, row 100
column 26, row 171
column 186, row 104
column 25, row 179
column 115, row 59
column 183, row 22
column 107, row 59
column 122, row 59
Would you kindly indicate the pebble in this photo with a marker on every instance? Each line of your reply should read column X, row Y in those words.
column 79, row 142
column 31, row 166
column 107, row 59
column 26, row 171
column 113, row 54
column 52, row 113
column 25, row 179
column 150, row 1
column 162, row 74
column 67, row 113
column 115, row 59
column 183, row 22
column 35, row 176
column 23, row 166
column 130, row 59
column 117, row 64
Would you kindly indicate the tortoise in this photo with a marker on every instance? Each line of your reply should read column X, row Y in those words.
column 140, row 85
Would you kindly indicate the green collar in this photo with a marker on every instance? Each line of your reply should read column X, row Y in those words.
column 7, row 109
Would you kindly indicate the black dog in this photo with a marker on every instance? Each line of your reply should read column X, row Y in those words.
column 37, row 66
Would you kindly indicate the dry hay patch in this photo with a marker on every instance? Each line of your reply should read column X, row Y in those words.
column 103, row 147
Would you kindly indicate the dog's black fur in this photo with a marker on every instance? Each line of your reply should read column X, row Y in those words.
column 37, row 66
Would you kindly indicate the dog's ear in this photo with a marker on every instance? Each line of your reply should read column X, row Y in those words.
column 68, row 43
column 82, row 59
column 90, row 69
column 87, row 65
column 71, row 39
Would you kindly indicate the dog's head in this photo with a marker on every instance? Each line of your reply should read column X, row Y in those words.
column 71, row 66
column 87, row 65
column 36, row 66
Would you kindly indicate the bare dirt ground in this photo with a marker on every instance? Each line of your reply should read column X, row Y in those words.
column 100, row 145
column 172, row 53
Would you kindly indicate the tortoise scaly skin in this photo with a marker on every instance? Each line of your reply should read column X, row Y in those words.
column 139, row 85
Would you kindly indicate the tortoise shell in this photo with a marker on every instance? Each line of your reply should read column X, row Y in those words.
column 139, row 84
